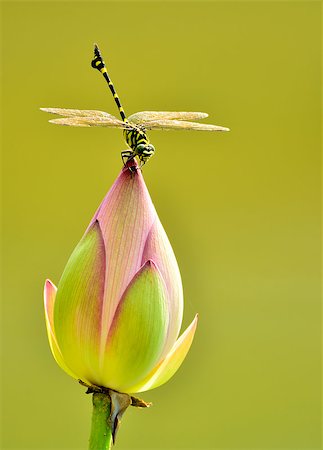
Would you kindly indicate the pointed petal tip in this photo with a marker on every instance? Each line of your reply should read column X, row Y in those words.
column 49, row 289
column 95, row 226
column 49, row 298
column 150, row 263
column 49, row 283
column 192, row 327
column 151, row 266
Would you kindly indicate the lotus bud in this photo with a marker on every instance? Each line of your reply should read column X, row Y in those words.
column 114, row 319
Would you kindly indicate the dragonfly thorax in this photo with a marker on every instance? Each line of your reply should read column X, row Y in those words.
column 138, row 141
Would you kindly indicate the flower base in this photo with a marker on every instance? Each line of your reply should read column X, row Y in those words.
column 108, row 408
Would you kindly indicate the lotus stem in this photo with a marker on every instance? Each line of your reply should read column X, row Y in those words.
column 101, row 433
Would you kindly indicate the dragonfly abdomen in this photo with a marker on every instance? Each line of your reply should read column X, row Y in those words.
column 98, row 63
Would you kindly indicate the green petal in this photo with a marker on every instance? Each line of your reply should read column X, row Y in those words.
column 49, row 301
column 77, row 312
column 168, row 366
column 138, row 332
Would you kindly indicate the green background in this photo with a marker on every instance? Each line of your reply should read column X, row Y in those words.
column 242, row 211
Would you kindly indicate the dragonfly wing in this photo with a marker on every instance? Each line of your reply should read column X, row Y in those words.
column 181, row 125
column 144, row 116
column 90, row 122
column 78, row 113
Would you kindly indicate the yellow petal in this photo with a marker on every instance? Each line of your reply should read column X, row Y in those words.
column 138, row 332
column 49, row 299
column 171, row 363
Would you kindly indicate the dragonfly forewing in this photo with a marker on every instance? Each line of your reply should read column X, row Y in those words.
column 144, row 116
column 79, row 113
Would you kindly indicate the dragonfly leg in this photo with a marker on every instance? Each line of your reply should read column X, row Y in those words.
column 142, row 163
column 126, row 154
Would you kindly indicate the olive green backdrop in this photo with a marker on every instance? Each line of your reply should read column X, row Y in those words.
column 241, row 210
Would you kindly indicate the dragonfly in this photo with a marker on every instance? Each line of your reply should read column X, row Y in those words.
column 135, row 126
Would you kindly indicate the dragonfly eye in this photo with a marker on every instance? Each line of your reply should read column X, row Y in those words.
column 140, row 148
column 145, row 151
column 149, row 150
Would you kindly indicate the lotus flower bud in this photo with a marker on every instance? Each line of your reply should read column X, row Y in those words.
column 114, row 319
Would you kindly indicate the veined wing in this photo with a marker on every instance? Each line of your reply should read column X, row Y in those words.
column 91, row 122
column 181, row 125
column 145, row 116
column 78, row 113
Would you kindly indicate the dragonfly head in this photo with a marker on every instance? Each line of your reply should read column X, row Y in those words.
column 144, row 151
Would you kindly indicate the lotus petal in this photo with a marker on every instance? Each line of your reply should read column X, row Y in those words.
column 49, row 300
column 158, row 249
column 78, row 306
column 167, row 367
column 137, row 335
column 126, row 216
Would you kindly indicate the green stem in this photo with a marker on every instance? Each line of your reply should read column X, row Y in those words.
column 101, row 435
